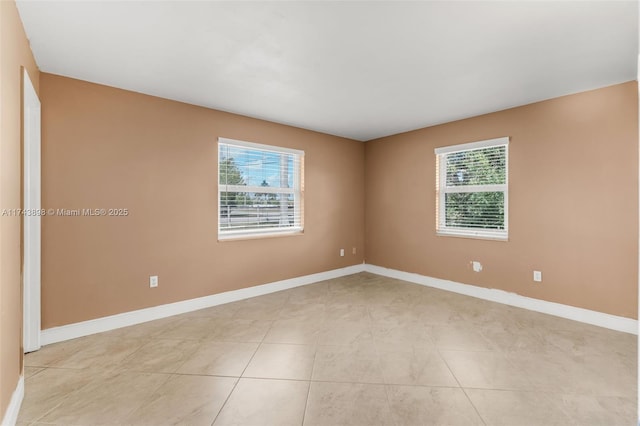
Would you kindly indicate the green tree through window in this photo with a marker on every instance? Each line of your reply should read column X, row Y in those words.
column 476, row 209
column 472, row 189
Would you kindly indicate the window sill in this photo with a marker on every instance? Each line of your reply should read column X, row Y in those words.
column 259, row 235
column 473, row 236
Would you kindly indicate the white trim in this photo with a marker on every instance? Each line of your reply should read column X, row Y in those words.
column 600, row 319
column 473, row 145
column 11, row 415
column 474, row 233
column 297, row 191
column 442, row 189
column 260, row 146
column 31, row 223
column 498, row 187
column 638, row 343
column 85, row 328
column 231, row 234
column 260, row 189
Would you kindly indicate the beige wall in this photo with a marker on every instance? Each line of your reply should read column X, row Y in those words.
column 110, row 148
column 14, row 54
column 573, row 203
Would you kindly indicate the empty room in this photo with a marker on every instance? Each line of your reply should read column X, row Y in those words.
column 319, row 213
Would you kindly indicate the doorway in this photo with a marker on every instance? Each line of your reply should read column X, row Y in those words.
column 31, row 218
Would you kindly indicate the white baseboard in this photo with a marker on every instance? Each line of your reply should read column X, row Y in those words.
column 11, row 415
column 85, row 328
column 627, row 325
column 99, row 325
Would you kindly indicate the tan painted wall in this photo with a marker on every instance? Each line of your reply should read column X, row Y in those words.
column 573, row 203
column 110, row 148
column 15, row 53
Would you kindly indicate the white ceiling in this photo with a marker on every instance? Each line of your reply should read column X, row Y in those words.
column 356, row 69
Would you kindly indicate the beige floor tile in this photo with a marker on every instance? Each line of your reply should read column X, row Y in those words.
column 507, row 337
column 106, row 401
column 350, row 363
column 160, row 356
column 589, row 341
column 398, row 294
column 595, row 411
column 402, row 336
column 587, row 375
column 226, row 310
column 391, row 316
column 265, row 402
column 372, row 333
column 47, row 389
column 241, row 330
column 293, row 330
column 282, row 361
column 309, row 312
column 333, row 404
column 55, row 352
column 509, row 408
column 415, row 366
column 184, row 400
column 439, row 313
column 543, row 321
column 32, row 371
column 555, row 372
column 277, row 298
column 183, row 328
column 459, row 338
column 36, row 424
column 345, row 332
column 316, row 293
column 94, row 351
column 612, row 377
column 347, row 312
column 481, row 312
column 259, row 311
column 144, row 330
column 486, row 370
column 417, row 405
column 346, row 296
column 219, row 358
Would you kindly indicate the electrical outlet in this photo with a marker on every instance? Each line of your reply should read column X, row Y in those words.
column 477, row 266
column 353, row 251
column 537, row 276
column 341, row 252
column 153, row 281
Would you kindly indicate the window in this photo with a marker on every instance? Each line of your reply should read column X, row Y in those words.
column 260, row 189
column 472, row 189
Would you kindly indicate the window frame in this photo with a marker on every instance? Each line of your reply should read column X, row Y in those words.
column 297, row 190
column 442, row 190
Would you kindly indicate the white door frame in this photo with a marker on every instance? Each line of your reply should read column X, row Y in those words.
column 31, row 218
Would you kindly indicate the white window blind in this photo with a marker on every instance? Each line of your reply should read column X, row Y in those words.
column 472, row 189
column 260, row 189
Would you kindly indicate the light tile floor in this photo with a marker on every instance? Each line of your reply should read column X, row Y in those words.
column 358, row 350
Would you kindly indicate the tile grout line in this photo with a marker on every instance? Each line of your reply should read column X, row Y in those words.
column 313, row 366
column 461, row 387
column 384, row 379
column 241, row 374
